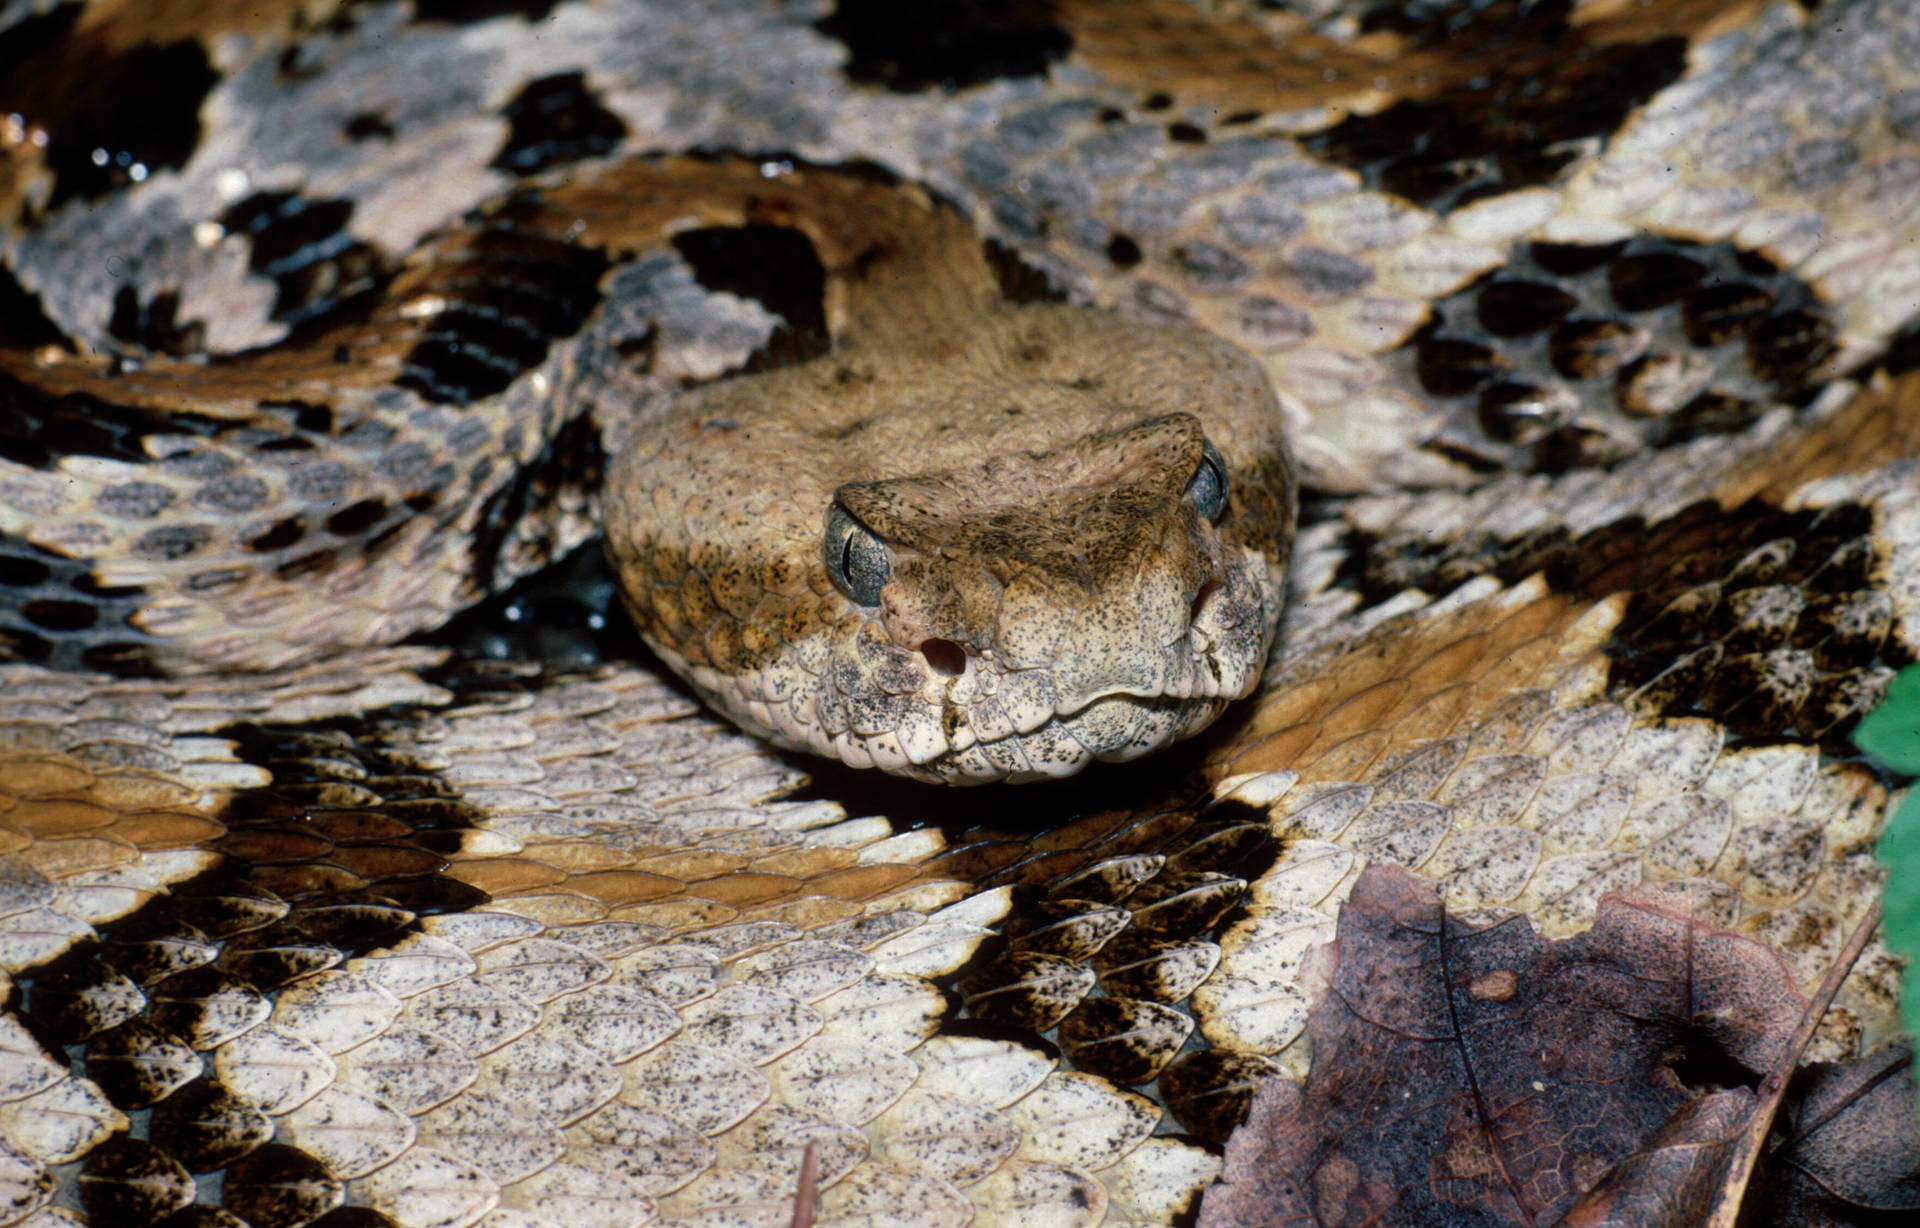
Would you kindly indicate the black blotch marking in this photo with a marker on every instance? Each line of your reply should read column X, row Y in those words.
column 1651, row 280
column 1040, row 834
column 314, row 871
column 639, row 351
column 572, row 461
column 154, row 326
column 774, row 266
column 17, row 572
column 304, row 246
column 309, row 416
column 471, row 12
column 280, row 1184
column 23, row 320
column 509, row 294
column 1573, row 259
column 293, row 65
column 380, row 542
column 205, row 1125
column 368, row 126
column 1519, row 123
column 1123, row 252
column 1721, row 312
column 18, row 644
column 1903, row 352
column 122, row 658
column 54, row 613
column 311, row 565
column 105, row 109
column 87, row 586
column 60, row 615
column 1710, row 413
column 357, row 518
column 1019, row 281
column 556, row 120
column 287, row 443
column 37, row 427
column 1680, row 648
column 1622, row 321
column 945, row 44
column 1448, row 366
column 1784, row 349
column 1209, row 1091
column 1238, row 841
column 987, row 1029
column 129, row 1181
column 1519, row 308
column 1166, row 780
column 845, row 432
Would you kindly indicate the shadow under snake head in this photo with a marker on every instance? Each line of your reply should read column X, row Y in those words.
column 1059, row 537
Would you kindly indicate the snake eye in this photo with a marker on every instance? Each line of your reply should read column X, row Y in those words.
column 1209, row 485
column 855, row 557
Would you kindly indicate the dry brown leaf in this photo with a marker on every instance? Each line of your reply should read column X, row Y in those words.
column 1852, row 1152
column 1482, row 1075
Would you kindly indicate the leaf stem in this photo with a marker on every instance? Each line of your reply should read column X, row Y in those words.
column 1773, row 1089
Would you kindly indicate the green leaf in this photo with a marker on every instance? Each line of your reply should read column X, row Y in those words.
column 1891, row 734
column 1899, row 851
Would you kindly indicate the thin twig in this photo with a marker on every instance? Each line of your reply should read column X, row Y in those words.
column 809, row 1192
column 1773, row 1088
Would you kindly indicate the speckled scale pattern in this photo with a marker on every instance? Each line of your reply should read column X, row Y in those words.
column 1577, row 355
column 1773, row 623
column 655, row 1027
column 1582, row 780
column 686, row 970
column 1488, row 751
column 1312, row 267
column 1123, row 934
column 209, row 548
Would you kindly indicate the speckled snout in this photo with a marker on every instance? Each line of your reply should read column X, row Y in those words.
column 1088, row 565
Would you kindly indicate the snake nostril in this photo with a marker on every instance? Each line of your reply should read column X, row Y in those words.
column 944, row 657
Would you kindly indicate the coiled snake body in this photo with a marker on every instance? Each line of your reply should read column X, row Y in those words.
column 1587, row 325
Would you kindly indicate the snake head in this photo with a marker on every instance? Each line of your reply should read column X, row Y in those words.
column 963, row 575
column 1063, row 577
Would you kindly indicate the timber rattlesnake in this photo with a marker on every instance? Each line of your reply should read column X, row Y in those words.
column 1587, row 323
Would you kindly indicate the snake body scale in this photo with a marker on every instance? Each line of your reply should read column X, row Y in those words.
column 1587, row 325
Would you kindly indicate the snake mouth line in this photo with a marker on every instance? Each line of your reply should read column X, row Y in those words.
column 1209, row 682
column 1110, row 728
column 1114, row 728
column 1145, row 698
